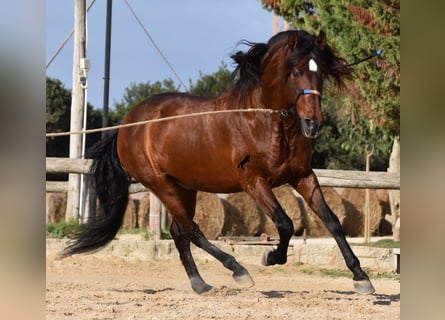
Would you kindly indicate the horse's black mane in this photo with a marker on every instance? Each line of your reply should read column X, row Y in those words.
column 248, row 69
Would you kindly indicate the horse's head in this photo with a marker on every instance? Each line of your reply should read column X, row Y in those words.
column 290, row 70
column 294, row 69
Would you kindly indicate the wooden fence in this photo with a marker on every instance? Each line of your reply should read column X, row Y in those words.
column 327, row 178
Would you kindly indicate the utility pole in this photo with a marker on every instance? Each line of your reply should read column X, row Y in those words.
column 77, row 105
column 107, row 65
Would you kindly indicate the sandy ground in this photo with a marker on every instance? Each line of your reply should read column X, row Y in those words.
column 91, row 287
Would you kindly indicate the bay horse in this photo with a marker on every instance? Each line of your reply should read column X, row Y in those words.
column 226, row 152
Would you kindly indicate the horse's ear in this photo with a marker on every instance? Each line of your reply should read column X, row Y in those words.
column 292, row 40
column 320, row 41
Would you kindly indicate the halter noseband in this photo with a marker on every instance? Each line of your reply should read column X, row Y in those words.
column 293, row 110
column 309, row 91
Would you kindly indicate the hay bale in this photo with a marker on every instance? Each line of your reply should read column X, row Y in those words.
column 354, row 202
column 55, row 206
column 209, row 214
column 143, row 210
column 313, row 224
column 291, row 206
column 241, row 215
column 385, row 227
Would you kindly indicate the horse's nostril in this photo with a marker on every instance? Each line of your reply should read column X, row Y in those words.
column 310, row 123
column 310, row 127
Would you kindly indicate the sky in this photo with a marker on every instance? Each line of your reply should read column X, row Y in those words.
column 194, row 35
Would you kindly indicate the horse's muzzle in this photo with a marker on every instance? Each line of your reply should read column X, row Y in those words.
column 310, row 128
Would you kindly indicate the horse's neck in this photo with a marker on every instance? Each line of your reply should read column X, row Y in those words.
column 236, row 99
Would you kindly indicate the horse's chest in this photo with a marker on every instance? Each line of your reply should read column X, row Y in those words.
column 278, row 165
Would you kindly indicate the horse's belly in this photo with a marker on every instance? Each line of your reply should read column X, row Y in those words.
column 204, row 175
column 211, row 186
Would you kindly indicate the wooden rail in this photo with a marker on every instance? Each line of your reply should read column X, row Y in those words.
column 327, row 178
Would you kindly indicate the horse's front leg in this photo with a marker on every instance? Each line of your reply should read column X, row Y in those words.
column 262, row 193
column 311, row 192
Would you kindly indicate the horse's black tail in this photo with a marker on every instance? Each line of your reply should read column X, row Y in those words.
column 111, row 183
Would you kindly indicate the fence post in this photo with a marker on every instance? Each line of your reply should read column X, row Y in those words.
column 367, row 229
column 154, row 219
column 88, row 208
column 394, row 195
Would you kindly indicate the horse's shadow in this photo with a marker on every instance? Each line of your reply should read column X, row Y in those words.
column 146, row 291
column 274, row 294
column 153, row 291
column 386, row 299
column 380, row 298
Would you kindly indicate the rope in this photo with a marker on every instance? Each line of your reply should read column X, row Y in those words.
column 58, row 134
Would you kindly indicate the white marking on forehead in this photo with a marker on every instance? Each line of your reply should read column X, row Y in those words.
column 313, row 65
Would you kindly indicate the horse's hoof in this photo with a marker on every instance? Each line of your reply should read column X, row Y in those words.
column 202, row 290
column 244, row 280
column 264, row 261
column 364, row 287
column 270, row 258
column 199, row 286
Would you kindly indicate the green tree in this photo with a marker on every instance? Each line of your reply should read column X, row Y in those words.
column 138, row 92
column 58, row 102
column 207, row 85
column 213, row 84
column 369, row 112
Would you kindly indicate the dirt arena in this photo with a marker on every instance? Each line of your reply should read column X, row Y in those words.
column 92, row 287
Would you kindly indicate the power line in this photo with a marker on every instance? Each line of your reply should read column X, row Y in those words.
column 156, row 46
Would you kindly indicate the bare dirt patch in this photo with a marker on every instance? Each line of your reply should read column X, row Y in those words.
column 92, row 287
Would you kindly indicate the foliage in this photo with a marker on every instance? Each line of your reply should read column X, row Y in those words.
column 345, row 273
column 60, row 230
column 58, row 104
column 213, row 84
column 207, row 85
column 382, row 243
column 166, row 235
column 368, row 115
column 135, row 93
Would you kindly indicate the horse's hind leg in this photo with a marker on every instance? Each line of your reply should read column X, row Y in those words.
column 182, row 242
column 181, row 203
column 310, row 190
column 240, row 274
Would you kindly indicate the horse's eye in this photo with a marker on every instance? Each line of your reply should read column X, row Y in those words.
column 295, row 73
